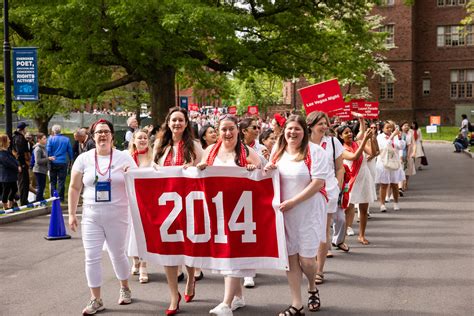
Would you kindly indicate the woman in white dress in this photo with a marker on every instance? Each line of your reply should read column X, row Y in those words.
column 268, row 139
column 386, row 177
column 418, row 144
column 303, row 171
column 318, row 124
column 230, row 151
column 140, row 150
column 408, row 155
column 361, row 182
column 175, row 146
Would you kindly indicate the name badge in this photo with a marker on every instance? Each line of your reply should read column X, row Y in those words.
column 102, row 191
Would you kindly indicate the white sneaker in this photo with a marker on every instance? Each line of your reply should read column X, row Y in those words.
column 249, row 282
column 125, row 296
column 95, row 305
column 368, row 214
column 221, row 309
column 396, row 207
column 383, row 208
column 237, row 302
column 350, row 231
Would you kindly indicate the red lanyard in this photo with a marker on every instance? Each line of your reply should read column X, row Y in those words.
column 97, row 164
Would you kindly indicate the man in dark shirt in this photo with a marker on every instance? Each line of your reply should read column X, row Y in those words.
column 22, row 153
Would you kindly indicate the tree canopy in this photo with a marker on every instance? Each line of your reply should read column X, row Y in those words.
column 87, row 47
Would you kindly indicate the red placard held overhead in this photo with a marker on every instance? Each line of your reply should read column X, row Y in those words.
column 232, row 110
column 369, row 110
column 194, row 107
column 324, row 96
column 252, row 110
column 344, row 114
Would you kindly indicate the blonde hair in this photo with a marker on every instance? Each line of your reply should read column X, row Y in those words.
column 132, row 147
column 3, row 141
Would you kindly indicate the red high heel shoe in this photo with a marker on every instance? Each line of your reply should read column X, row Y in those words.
column 189, row 298
column 174, row 311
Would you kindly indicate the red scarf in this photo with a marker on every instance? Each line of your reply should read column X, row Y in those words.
column 345, row 189
column 252, row 144
column 356, row 164
column 137, row 152
column 215, row 150
column 415, row 134
column 308, row 162
column 179, row 160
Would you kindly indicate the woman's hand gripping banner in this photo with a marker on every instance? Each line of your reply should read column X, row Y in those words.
column 221, row 218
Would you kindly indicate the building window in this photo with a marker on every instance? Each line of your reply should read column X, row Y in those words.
column 386, row 89
column 450, row 3
column 462, row 81
column 426, row 86
column 390, row 39
column 455, row 35
column 386, row 3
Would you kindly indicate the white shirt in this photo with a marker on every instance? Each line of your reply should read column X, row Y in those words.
column 331, row 181
column 85, row 164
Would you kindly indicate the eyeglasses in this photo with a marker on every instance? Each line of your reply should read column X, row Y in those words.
column 105, row 132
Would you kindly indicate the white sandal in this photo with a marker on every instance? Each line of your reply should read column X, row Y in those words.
column 143, row 275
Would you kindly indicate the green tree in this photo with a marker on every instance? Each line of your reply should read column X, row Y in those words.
column 82, row 43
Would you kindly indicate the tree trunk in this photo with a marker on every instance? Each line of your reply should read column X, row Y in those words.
column 42, row 124
column 162, row 93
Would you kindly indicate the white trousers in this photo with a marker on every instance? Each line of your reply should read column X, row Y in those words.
column 105, row 224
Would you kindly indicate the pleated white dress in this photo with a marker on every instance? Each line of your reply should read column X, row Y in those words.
column 363, row 188
column 385, row 175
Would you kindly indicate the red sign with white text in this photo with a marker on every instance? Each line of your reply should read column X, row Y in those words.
column 232, row 110
column 344, row 114
column 252, row 109
column 325, row 96
column 369, row 110
column 220, row 218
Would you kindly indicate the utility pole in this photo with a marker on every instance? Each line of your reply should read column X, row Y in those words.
column 7, row 71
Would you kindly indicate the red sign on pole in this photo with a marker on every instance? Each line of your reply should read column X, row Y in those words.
column 252, row 109
column 232, row 110
column 324, row 96
column 369, row 110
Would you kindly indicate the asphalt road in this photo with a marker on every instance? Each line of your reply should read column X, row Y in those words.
column 420, row 262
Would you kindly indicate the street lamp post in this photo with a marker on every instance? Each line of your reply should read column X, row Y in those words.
column 294, row 80
column 7, row 71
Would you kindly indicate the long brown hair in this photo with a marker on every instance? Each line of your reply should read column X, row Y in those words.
column 228, row 117
column 282, row 143
column 314, row 117
column 165, row 137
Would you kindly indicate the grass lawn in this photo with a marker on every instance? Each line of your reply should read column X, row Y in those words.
column 448, row 133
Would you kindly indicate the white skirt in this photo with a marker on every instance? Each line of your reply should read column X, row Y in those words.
column 242, row 273
column 386, row 176
column 363, row 188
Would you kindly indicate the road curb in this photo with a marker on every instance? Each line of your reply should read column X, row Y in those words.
column 14, row 217
column 436, row 141
column 467, row 152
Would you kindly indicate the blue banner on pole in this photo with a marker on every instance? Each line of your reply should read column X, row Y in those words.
column 183, row 102
column 25, row 74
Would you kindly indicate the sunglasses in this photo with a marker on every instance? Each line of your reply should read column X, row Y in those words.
column 254, row 127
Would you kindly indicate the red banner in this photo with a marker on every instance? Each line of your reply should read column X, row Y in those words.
column 208, row 218
column 194, row 107
column 324, row 96
column 232, row 110
column 252, row 109
column 369, row 110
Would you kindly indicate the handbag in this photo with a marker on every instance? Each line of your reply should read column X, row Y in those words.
column 389, row 158
column 424, row 160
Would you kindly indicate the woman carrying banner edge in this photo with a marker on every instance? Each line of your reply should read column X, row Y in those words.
column 230, row 151
column 303, row 171
column 175, row 146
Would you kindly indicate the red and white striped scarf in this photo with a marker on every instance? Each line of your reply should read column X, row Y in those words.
column 215, row 150
column 179, row 160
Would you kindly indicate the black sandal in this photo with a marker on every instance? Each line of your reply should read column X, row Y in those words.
column 314, row 303
column 342, row 246
column 292, row 311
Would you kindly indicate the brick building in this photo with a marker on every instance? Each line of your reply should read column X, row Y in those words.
column 432, row 58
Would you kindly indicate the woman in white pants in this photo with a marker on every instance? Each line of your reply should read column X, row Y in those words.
column 104, row 212
column 318, row 123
